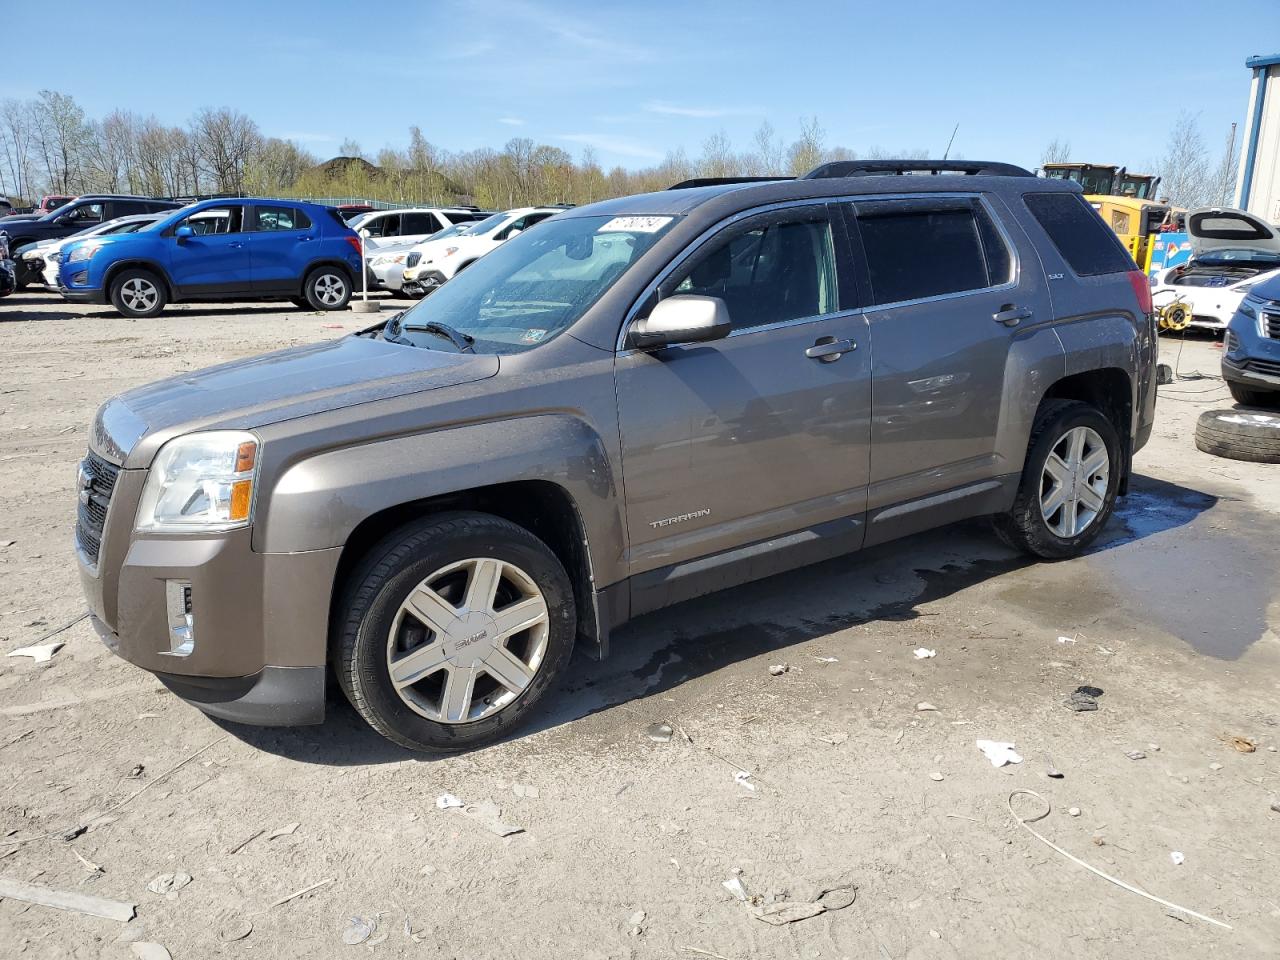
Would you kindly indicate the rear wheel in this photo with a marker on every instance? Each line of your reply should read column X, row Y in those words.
column 327, row 288
column 1069, row 482
column 1252, row 398
column 137, row 293
column 452, row 629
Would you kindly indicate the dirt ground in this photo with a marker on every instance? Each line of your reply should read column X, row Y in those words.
column 626, row 841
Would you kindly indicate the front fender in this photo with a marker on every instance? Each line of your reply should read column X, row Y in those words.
column 317, row 502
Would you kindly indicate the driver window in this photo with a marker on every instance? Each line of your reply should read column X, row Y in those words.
column 88, row 213
column 215, row 220
column 769, row 271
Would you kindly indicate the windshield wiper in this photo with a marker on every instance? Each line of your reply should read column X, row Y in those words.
column 463, row 341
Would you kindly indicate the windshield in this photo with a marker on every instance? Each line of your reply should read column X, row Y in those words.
column 489, row 224
column 535, row 286
column 1239, row 254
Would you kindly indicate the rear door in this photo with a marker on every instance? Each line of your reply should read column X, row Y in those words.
column 215, row 260
column 283, row 239
column 757, row 435
column 951, row 286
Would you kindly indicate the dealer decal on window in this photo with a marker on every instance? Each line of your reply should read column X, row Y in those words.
column 635, row 224
column 533, row 336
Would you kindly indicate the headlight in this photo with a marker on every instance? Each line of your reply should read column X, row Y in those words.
column 1250, row 306
column 201, row 482
column 82, row 252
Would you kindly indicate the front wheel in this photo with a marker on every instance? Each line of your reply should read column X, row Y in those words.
column 451, row 629
column 137, row 294
column 1069, row 482
column 327, row 288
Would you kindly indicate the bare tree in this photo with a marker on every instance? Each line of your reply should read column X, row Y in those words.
column 1223, row 182
column 1185, row 166
column 768, row 150
column 61, row 135
column 807, row 152
column 17, row 135
column 225, row 141
column 1055, row 151
column 349, row 148
column 717, row 158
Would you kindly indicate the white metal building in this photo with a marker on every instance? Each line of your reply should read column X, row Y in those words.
column 1258, row 186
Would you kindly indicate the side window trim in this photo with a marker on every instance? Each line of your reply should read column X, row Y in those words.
column 917, row 203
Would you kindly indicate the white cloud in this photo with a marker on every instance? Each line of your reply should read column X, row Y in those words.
column 511, row 121
column 679, row 110
column 608, row 143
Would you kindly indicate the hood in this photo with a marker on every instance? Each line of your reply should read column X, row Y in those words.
column 19, row 218
column 1222, row 228
column 284, row 385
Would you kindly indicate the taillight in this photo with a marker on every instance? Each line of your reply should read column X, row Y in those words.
column 355, row 242
column 1141, row 289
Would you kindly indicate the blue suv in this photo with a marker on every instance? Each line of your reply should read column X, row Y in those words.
column 1251, row 354
column 241, row 249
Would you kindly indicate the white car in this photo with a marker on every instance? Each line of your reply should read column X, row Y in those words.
column 386, row 264
column 1231, row 252
column 438, row 260
column 46, row 256
column 382, row 227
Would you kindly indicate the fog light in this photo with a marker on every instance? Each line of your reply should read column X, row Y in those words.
column 81, row 277
column 182, row 636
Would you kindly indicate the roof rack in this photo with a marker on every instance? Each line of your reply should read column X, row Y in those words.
column 721, row 181
column 879, row 168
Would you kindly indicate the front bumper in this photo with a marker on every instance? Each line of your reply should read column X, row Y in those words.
column 82, row 296
column 1250, row 358
column 272, row 697
column 259, row 620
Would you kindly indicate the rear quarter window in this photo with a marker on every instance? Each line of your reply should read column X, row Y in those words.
column 1076, row 230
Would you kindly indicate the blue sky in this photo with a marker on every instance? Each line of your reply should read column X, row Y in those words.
column 633, row 80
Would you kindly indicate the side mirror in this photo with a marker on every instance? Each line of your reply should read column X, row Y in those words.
column 685, row 318
column 514, row 232
column 184, row 232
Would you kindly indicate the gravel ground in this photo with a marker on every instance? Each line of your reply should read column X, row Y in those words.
column 626, row 841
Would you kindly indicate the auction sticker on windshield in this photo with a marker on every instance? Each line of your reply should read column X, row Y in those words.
column 635, row 224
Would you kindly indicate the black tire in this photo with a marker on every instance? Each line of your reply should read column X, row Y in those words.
column 1252, row 435
column 129, row 294
column 1253, row 398
column 376, row 588
column 327, row 288
column 1024, row 527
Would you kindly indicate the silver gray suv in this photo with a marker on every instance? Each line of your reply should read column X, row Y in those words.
column 638, row 402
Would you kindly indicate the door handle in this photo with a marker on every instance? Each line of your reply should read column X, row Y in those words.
column 829, row 349
column 1010, row 314
column 236, row 243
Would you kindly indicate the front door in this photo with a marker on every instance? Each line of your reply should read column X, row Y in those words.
column 216, row 258
column 951, row 289
column 763, row 433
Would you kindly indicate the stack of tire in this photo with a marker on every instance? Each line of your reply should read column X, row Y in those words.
column 1240, row 434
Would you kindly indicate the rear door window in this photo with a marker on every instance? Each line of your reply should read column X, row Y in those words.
column 916, row 249
column 280, row 218
column 1074, row 227
column 412, row 224
column 771, row 269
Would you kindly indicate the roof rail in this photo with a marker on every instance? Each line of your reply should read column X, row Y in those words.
column 721, row 181
column 879, row 168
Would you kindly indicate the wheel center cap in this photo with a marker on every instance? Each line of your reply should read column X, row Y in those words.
column 470, row 638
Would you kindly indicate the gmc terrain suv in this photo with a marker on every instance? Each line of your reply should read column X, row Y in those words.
column 640, row 401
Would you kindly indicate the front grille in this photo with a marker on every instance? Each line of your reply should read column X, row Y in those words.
column 413, row 259
column 1269, row 367
column 1271, row 325
column 96, row 482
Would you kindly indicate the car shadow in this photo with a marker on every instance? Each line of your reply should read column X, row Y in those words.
column 661, row 651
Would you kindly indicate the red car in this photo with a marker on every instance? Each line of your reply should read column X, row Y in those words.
column 50, row 203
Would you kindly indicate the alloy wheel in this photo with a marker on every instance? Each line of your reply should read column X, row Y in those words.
column 139, row 294
column 330, row 289
column 468, row 640
column 1073, row 486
